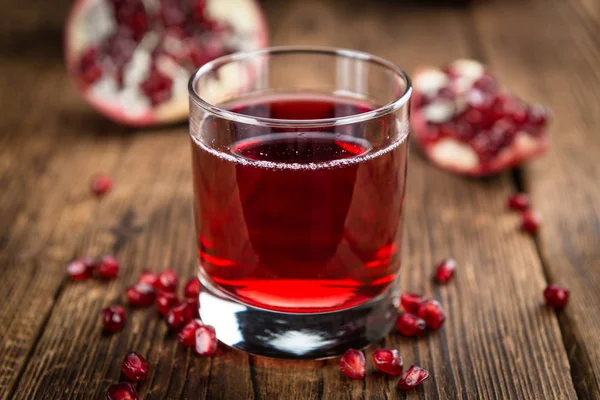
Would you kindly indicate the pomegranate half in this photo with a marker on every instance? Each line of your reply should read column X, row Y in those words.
column 132, row 59
column 465, row 122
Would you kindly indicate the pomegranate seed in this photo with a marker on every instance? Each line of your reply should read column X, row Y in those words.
column 486, row 83
column 149, row 278
column 165, row 301
column 193, row 307
column 444, row 271
column 518, row 201
column 81, row 269
column 556, row 296
column 206, row 340
column 187, row 336
column 113, row 318
column 388, row 361
column 412, row 378
column 192, row 288
column 167, row 281
column 140, row 295
column 121, row 391
column 178, row 316
column 411, row 302
column 101, row 184
column 432, row 313
column 157, row 86
column 410, row 325
column 89, row 67
column 353, row 364
column 108, row 268
column 135, row 367
column 538, row 115
column 530, row 221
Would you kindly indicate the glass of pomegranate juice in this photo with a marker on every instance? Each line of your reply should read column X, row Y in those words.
column 299, row 168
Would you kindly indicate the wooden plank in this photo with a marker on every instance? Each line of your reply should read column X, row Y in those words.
column 494, row 329
column 558, row 44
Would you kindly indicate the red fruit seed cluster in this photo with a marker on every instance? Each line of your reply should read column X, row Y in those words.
column 420, row 314
column 107, row 267
column 530, row 219
column 354, row 365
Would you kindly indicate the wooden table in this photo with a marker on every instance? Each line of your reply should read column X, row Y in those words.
column 499, row 341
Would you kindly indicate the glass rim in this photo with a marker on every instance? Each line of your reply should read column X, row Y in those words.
column 388, row 108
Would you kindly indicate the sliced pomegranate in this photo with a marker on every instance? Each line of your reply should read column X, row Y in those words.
column 432, row 313
column 465, row 123
column 108, row 267
column 165, row 301
column 206, row 340
column 412, row 378
column 131, row 59
column 192, row 288
column 81, row 269
column 167, row 281
column 388, row 361
column 113, row 318
column 444, row 271
column 410, row 325
column 101, row 184
column 411, row 302
column 135, row 367
column 140, row 295
column 187, row 336
column 556, row 296
column 518, row 201
column 121, row 391
column 530, row 221
column 353, row 364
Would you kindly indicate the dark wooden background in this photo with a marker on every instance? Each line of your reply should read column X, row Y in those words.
column 499, row 341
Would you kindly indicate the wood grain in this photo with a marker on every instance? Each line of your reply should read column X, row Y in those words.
column 558, row 43
column 498, row 342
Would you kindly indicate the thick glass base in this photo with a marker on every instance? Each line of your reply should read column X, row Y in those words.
column 296, row 336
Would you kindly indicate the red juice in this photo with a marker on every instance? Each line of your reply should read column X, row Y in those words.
column 297, row 220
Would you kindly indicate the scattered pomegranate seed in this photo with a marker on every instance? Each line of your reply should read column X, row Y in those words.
column 149, row 278
column 193, row 307
column 135, row 367
column 412, row 378
column 113, row 318
column 411, row 302
column 187, row 336
column 178, row 316
column 530, row 221
column 444, row 271
column 140, row 295
column 388, row 361
column 432, row 313
column 206, row 340
column 81, row 269
column 121, row 391
column 167, row 281
column 165, row 301
column 108, row 268
column 410, row 325
column 101, row 184
column 518, row 201
column 556, row 296
column 192, row 288
column 353, row 364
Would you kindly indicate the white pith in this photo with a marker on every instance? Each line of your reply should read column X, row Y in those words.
column 430, row 81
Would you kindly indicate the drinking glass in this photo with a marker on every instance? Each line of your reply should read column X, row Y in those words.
column 299, row 159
